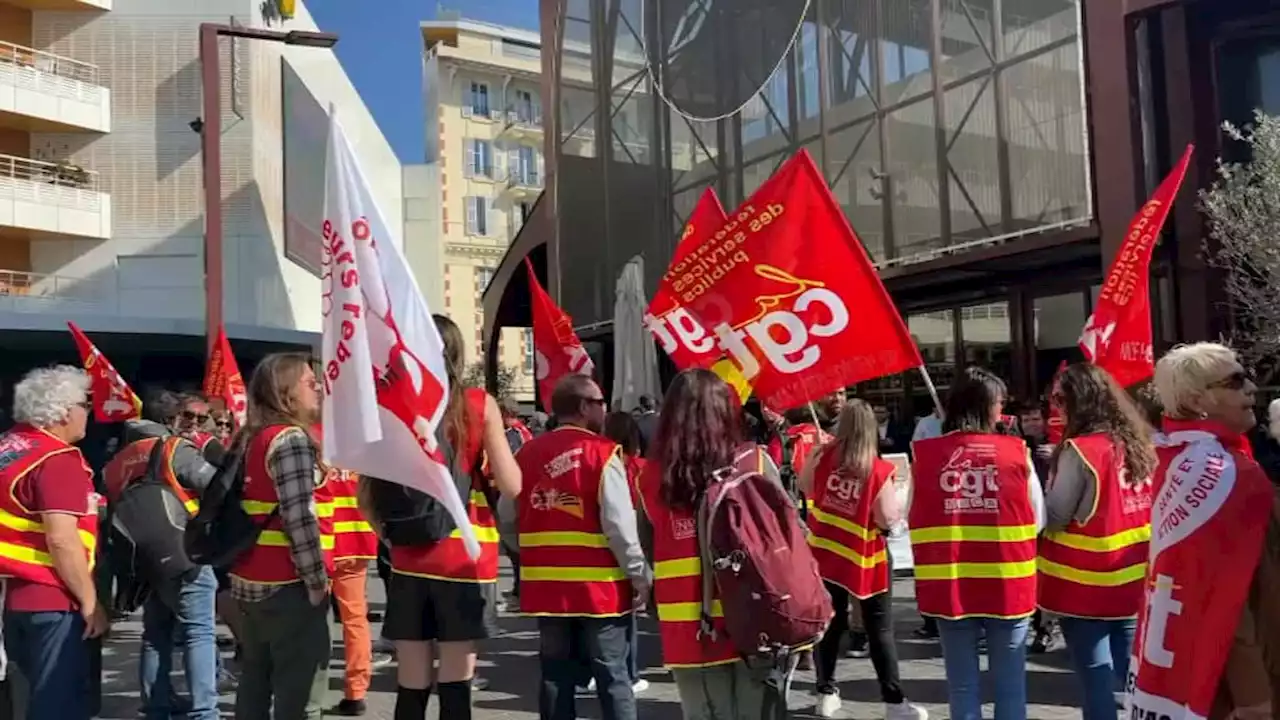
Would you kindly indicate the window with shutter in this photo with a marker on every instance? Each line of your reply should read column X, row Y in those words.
column 469, row 158
column 484, row 158
column 528, row 352
column 467, row 99
column 473, row 216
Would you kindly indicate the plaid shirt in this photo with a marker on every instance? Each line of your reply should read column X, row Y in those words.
column 294, row 466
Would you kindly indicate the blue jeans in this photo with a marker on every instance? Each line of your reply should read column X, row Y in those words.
column 1100, row 654
column 186, row 608
column 633, row 650
column 49, row 649
column 1007, row 660
column 565, row 641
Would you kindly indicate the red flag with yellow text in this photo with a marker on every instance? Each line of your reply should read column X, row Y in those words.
column 682, row 337
column 113, row 399
column 789, row 294
column 557, row 351
column 1117, row 336
column 222, row 378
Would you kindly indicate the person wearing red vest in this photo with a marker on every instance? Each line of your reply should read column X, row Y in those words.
column 48, row 539
column 582, row 570
column 1094, row 550
column 976, row 509
column 442, row 602
column 282, row 581
column 182, row 606
column 624, row 429
column 855, row 504
column 1202, row 649
column 354, row 545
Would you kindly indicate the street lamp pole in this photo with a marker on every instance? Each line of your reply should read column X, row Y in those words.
column 211, row 150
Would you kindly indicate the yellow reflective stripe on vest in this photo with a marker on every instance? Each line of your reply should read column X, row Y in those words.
column 26, row 555
column 678, row 568
column 1110, row 543
column 483, row 534
column 563, row 539
column 257, row 507
column 861, row 561
column 346, row 502
column 192, row 506
column 840, row 523
column 324, row 509
column 686, row 611
column 973, row 533
column 955, row 571
column 571, row 574
column 478, row 499
column 21, row 524
column 277, row 538
column 1111, row 578
column 352, row 526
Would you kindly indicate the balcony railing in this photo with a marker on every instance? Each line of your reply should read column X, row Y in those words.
column 17, row 287
column 523, row 118
column 57, row 184
column 524, row 180
column 63, row 67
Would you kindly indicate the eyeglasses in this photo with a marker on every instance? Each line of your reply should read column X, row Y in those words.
column 87, row 404
column 1235, row 381
column 195, row 416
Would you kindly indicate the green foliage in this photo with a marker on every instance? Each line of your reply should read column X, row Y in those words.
column 506, row 380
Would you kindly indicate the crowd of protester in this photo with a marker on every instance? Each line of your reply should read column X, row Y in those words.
column 599, row 518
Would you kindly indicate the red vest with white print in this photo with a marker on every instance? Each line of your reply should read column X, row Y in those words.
column 850, row 549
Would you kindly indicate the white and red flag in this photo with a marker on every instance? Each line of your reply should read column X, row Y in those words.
column 113, row 399
column 385, row 383
column 557, row 351
column 222, row 378
column 1117, row 336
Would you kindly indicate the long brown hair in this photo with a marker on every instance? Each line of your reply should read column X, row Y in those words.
column 1094, row 403
column 857, row 438
column 457, row 415
column 270, row 393
column 698, row 431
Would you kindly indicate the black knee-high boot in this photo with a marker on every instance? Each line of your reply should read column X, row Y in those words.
column 455, row 700
column 411, row 703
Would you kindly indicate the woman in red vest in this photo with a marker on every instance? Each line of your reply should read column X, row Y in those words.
column 699, row 432
column 855, row 505
column 441, row 601
column 1094, row 551
column 976, row 509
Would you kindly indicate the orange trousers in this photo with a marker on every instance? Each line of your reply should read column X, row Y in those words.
column 353, row 608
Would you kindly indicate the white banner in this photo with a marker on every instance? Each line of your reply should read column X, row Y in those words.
column 385, row 383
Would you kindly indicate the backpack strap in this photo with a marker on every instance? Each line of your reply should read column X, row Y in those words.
column 155, row 461
column 706, row 510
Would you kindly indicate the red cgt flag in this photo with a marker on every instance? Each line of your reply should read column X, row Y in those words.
column 557, row 351
column 682, row 337
column 789, row 294
column 1117, row 336
column 113, row 399
column 222, row 378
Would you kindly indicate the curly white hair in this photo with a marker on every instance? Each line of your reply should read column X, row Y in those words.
column 45, row 396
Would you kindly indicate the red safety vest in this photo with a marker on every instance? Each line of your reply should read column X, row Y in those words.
column 1209, row 523
column 677, row 582
column 130, row 464
column 850, row 549
column 448, row 558
column 24, row 550
column 523, row 431
column 201, row 440
column 1094, row 569
column 973, row 528
column 353, row 537
column 270, row 562
column 566, row 566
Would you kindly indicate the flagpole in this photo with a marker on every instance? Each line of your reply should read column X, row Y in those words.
column 933, row 391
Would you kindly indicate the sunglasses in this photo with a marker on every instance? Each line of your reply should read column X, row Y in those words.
column 1235, row 381
column 195, row 416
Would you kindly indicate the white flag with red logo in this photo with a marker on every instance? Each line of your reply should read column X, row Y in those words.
column 383, row 369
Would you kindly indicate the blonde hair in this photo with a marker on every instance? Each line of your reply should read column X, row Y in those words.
column 857, row 438
column 1186, row 371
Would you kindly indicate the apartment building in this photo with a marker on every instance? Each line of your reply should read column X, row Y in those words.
column 101, row 189
column 484, row 157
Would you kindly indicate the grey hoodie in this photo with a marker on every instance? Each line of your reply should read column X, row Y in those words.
column 189, row 466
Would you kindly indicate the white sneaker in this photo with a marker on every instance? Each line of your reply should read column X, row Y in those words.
column 587, row 689
column 905, row 711
column 828, row 705
column 639, row 686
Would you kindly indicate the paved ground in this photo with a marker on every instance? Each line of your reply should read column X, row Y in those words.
column 510, row 663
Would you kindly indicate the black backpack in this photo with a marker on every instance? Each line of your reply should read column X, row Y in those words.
column 145, row 534
column 222, row 531
column 411, row 517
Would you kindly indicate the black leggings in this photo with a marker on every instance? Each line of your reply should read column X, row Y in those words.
column 877, row 619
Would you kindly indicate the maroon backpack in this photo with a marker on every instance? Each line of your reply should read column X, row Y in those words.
column 756, row 558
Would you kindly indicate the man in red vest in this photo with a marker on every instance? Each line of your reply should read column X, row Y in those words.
column 48, row 539
column 181, row 605
column 582, row 569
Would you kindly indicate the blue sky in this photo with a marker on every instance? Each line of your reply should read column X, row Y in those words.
column 380, row 48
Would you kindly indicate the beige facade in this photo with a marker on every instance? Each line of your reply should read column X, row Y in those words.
column 484, row 139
